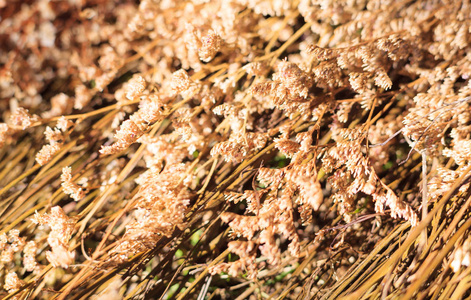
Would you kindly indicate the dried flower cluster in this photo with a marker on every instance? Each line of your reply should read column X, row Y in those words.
column 69, row 187
column 61, row 230
column 163, row 200
column 461, row 256
column 281, row 140
column 15, row 250
column 56, row 139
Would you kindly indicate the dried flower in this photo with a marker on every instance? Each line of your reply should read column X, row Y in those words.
column 135, row 86
column 461, row 256
column 56, row 139
column 60, row 104
column 29, row 256
column 61, row 231
column 22, row 119
column 12, row 282
column 69, row 187
column 210, row 45
column 4, row 129
column 82, row 96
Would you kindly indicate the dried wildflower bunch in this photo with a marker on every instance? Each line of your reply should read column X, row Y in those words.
column 234, row 149
column 56, row 139
column 163, row 199
column 61, row 231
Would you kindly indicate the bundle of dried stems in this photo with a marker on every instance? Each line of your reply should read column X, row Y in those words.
column 235, row 149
